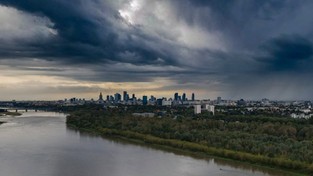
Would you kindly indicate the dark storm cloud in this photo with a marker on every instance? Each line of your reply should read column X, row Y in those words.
column 288, row 52
column 82, row 38
column 218, row 44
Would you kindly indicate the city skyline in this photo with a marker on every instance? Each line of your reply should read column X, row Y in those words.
column 233, row 49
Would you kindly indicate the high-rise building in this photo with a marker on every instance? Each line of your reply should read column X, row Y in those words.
column 184, row 97
column 176, row 96
column 117, row 97
column 100, row 97
column 125, row 96
column 193, row 97
column 197, row 109
column 219, row 100
column 133, row 97
column 108, row 97
column 144, row 100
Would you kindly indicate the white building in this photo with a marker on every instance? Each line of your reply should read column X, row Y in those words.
column 210, row 108
column 166, row 102
column 197, row 109
column 145, row 114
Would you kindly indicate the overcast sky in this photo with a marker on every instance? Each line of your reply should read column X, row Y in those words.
column 251, row 49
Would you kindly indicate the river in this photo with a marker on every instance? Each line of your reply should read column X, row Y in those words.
column 40, row 144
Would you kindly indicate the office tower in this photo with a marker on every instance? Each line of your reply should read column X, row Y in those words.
column 125, row 96
column 219, row 100
column 184, row 97
column 176, row 96
column 144, row 100
column 100, row 97
column 193, row 97
column 108, row 97
column 117, row 97
column 133, row 97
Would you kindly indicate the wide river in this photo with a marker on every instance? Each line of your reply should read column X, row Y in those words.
column 40, row 144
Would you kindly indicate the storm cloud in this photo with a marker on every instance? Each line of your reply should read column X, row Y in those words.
column 234, row 49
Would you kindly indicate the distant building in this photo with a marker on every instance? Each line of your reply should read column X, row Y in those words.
column 184, row 97
column 193, row 97
column 197, row 109
column 125, row 96
column 219, row 100
column 210, row 108
column 100, row 97
column 145, row 114
column 117, row 97
column 176, row 96
column 241, row 102
column 159, row 101
column 166, row 102
column 144, row 100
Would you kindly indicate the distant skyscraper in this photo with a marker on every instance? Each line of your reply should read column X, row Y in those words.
column 184, row 97
column 117, row 97
column 125, row 96
column 133, row 97
column 219, row 100
column 100, row 97
column 193, row 97
column 108, row 97
column 144, row 100
column 176, row 96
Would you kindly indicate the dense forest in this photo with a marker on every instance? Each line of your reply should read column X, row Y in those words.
column 274, row 141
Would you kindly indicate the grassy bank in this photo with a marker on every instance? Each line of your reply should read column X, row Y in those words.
column 195, row 148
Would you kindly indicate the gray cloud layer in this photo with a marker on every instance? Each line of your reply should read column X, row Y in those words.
column 244, row 48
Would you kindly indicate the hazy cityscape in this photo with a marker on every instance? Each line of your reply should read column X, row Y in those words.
column 294, row 109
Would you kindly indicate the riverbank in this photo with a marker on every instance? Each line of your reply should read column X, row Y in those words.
column 10, row 114
column 268, row 141
column 202, row 151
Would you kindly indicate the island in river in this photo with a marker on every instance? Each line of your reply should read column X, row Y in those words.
column 269, row 141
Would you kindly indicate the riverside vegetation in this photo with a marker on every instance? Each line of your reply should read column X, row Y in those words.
column 273, row 141
column 10, row 114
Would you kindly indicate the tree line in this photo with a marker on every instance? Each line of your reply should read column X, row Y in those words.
column 282, row 142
